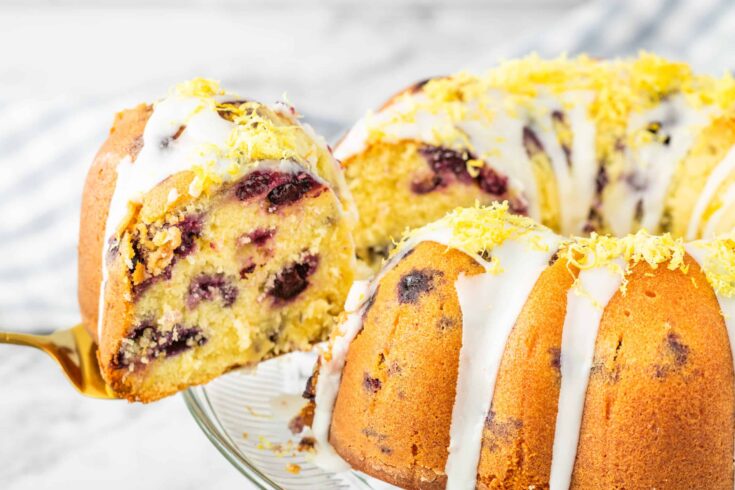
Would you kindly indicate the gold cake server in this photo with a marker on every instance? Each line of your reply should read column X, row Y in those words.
column 76, row 353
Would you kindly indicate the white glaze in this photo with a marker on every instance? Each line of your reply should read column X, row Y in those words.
column 577, row 181
column 653, row 164
column 727, row 304
column 586, row 303
column 500, row 143
column 490, row 305
column 721, row 172
column 330, row 375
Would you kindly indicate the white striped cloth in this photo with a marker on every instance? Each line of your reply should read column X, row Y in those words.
column 46, row 146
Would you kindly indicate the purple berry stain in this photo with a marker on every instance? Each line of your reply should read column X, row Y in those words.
column 416, row 283
column 206, row 286
column 293, row 280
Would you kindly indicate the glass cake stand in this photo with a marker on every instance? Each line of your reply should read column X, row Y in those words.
column 245, row 414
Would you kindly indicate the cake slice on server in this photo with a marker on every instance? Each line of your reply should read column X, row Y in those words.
column 215, row 233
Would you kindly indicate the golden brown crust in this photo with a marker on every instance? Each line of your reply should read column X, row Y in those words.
column 658, row 411
column 519, row 433
column 400, row 432
column 124, row 140
column 659, row 406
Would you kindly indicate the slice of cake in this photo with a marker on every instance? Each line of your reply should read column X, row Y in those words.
column 215, row 232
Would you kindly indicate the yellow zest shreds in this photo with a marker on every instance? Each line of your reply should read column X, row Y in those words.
column 205, row 176
column 199, row 87
column 717, row 92
column 477, row 230
column 641, row 247
column 719, row 264
column 618, row 88
column 524, row 76
column 656, row 76
column 258, row 133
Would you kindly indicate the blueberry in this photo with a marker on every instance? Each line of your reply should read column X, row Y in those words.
column 255, row 184
column 492, row 182
column 293, row 280
column 191, row 229
column 293, row 190
column 205, row 286
column 416, row 283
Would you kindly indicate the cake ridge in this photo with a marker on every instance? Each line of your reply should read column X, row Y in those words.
column 601, row 267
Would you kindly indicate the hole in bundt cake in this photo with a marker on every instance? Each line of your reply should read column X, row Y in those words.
column 445, row 323
column 394, row 368
column 414, row 450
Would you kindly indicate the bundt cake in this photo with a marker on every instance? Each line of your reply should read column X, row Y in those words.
column 490, row 352
column 215, row 232
column 579, row 145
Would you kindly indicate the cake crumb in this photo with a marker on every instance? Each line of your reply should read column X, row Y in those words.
column 306, row 444
column 293, row 468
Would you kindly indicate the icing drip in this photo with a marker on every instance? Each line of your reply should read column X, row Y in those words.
column 576, row 178
column 499, row 142
column 714, row 181
column 639, row 195
column 330, row 375
column 585, row 306
column 490, row 304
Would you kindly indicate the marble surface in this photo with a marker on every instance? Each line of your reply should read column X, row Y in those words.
column 335, row 60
